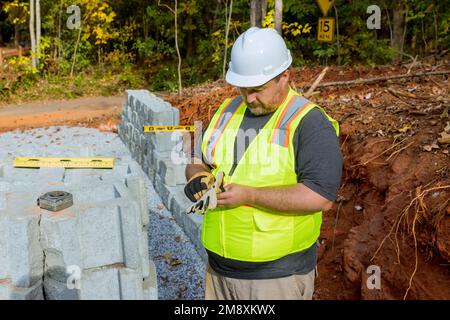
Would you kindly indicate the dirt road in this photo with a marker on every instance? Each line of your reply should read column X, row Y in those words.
column 98, row 112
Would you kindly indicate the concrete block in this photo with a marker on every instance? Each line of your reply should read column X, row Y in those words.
column 10, row 292
column 131, row 229
column 51, row 174
column 80, row 176
column 162, row 190
column 165, row 141
column 100, row 248
column 131, row 285
column 151, row 283
column 3, row 245
column 176, row 116
column 25, row 256
column 143, row 250
column 5, row 187
column 191, row 224
column 162, row 114
column 100, row 284
column 55, row 290
column 72, row 237
column 136, row 186
column 24, row 174
column 170, row 167
column 87, row 236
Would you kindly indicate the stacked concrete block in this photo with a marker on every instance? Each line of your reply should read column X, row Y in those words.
column 160, row 155
column 95, row 249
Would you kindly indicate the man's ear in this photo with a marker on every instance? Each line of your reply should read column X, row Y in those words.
column 285, row 76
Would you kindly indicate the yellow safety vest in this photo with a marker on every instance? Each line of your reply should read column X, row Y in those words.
column 247, row 233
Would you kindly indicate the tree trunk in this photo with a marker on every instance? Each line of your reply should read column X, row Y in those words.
column 263, row 9
column 190, row 40
column 16, row 35
column 38, row 32
column 227, row 30
column 255, row 13
column 74, row 58
column 32, row 35
column 278, row 15
column 180, row 89
column 398, row 28
column 58, row 45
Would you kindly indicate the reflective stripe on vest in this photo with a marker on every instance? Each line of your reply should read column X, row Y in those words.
column 293, row 108
column 220, row 125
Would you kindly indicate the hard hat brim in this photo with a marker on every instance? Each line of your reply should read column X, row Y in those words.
column 246, row 81
column 254, row 81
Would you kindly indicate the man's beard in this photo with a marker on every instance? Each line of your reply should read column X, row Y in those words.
column 258, row 110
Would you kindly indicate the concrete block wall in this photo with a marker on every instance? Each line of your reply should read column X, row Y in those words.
column 160, row 155
column 95, row 249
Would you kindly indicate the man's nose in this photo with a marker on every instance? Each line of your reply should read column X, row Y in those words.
column 251, row 97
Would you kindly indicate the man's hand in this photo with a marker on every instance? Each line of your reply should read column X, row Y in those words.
column 198, row 184
column 235, row 195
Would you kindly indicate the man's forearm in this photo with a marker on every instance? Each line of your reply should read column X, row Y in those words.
column 293, row 199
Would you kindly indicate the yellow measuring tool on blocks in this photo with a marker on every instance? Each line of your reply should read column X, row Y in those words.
column 169, row 128
column 39, row 162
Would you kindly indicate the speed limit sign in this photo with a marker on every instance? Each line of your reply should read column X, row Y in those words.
column 325, row 30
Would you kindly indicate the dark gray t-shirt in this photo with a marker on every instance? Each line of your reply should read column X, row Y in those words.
column 318, row 165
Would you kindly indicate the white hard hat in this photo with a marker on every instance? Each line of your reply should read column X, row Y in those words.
column 257, row 56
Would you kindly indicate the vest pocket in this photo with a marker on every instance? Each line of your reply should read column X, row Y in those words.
column 272, row 236
column 268, row 222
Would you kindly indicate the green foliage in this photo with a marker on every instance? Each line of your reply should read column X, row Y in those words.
column 132, row 43
column 17, row 11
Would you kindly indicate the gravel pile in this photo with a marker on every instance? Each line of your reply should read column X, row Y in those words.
column 179, row 267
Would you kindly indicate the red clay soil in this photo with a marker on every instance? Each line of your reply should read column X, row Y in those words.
column 393, row 207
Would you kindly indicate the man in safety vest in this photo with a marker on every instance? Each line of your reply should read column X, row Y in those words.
column 282, row 163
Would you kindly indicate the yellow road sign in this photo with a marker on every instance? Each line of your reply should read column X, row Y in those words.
column 325, row 31
column 169, row 128
column 325, row 5
column 40, row 162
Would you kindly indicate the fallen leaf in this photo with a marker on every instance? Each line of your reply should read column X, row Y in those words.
column 367, row 120
column 166, row 256
column 175, row 262
column 430, row 147
column 445, row 138
column 405, row 128
column 447, row 127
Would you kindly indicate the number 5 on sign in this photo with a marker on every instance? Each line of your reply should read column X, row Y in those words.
column 326, row 30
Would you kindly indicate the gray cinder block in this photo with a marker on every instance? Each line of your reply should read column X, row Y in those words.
column 25, row 256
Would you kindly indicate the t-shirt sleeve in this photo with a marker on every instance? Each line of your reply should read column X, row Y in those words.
column 318, row 158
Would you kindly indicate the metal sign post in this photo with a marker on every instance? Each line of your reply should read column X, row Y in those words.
column 325, row 29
